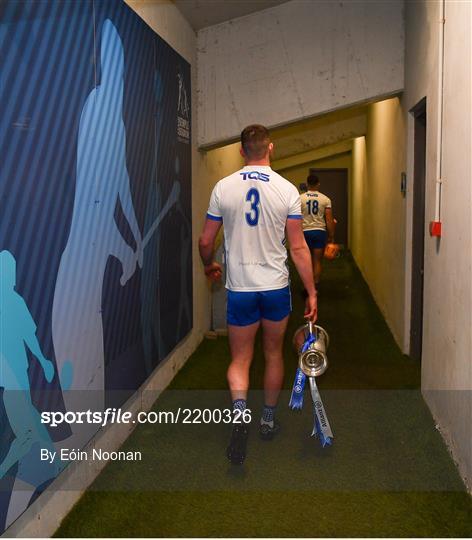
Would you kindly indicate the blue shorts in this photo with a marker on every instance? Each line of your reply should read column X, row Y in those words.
column 315, row 239
column 246, row 308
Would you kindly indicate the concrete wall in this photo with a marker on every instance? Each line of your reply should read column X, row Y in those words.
column 377, row 210
column 221, row 162
column 319, row 132
column 381, row 237
column 446, row 364
column 295, row 61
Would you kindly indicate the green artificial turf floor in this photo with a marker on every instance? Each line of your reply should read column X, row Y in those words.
column 387, row 474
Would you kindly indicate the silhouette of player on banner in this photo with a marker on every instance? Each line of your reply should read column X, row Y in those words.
column 102, row 181
column 18, row 331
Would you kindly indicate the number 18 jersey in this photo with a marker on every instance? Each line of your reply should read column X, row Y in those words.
column 254, row 205
column 314, row 205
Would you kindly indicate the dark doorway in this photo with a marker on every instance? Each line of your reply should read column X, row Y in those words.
column 417, row 270
column 334, row 186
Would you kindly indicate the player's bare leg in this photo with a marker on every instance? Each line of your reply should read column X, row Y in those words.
column 273, row 333
column 241, row 343
column 317, row 257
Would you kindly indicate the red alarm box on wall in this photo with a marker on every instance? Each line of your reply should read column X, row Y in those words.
column 435, row 228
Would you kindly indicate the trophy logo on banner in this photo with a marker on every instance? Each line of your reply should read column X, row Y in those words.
column 183, row 112
column 311, row 343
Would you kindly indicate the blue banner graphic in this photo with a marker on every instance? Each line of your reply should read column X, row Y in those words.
column 95, row 221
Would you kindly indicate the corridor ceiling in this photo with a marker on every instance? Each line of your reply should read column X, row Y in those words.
column 203, row 13
column 319, row 132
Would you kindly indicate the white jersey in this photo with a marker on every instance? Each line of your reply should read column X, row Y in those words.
column 254, row 205
column 314, row 205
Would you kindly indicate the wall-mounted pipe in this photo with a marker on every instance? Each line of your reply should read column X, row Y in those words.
column 435, row 226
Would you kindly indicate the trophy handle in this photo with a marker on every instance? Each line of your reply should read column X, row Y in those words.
column 322, row 331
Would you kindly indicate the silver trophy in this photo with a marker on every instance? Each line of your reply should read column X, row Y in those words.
column 311, row 343
column 313, row 361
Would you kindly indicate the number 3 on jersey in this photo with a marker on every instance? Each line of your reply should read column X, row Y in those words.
column 254, row 198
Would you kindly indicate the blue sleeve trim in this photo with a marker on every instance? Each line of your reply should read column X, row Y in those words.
column 214, row 218
column 294, row 216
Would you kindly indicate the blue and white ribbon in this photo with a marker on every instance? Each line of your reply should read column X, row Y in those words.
column 296, row 399
column 321, row 427
column 308, row 342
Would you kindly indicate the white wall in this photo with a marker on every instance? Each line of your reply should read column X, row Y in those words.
column 446, row 364
column 167, row 21
column 294, row 61
column 378, row 209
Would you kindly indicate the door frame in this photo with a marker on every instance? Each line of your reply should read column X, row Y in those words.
column 416, row 240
